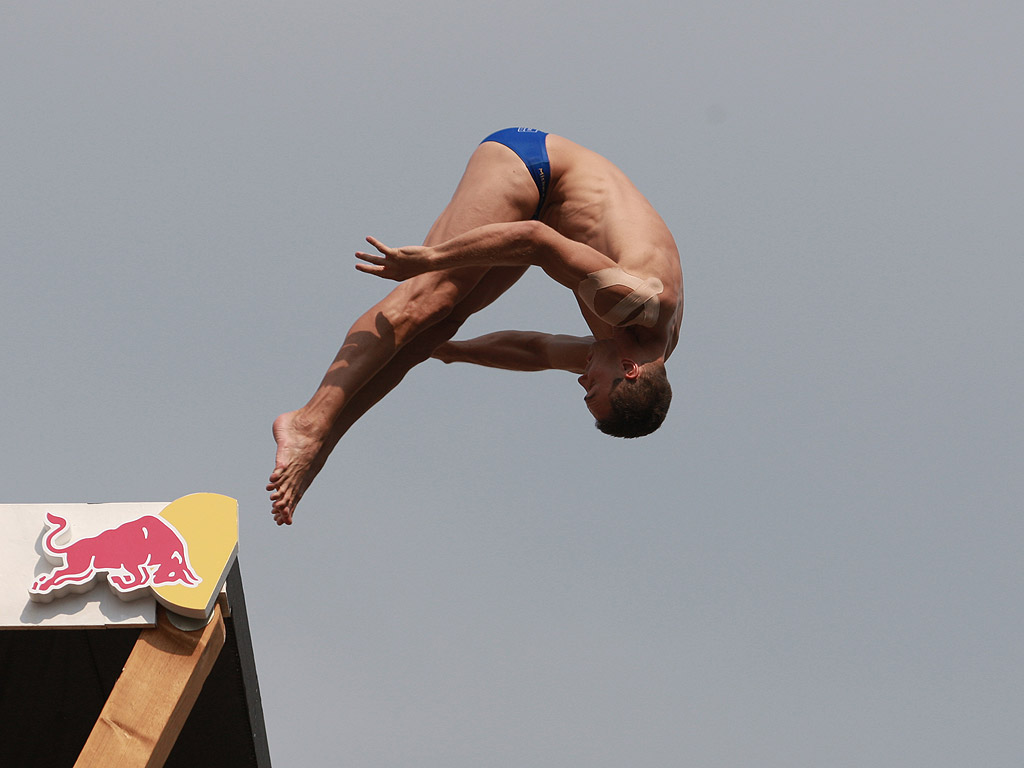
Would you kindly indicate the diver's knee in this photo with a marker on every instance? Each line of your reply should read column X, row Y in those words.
column 418, row 307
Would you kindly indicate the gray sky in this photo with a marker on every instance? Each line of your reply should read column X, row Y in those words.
column 815, row 562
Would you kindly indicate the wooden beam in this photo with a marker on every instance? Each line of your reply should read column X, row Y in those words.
column 153, row 696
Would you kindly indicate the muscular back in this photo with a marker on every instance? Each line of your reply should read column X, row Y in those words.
column 591, row 201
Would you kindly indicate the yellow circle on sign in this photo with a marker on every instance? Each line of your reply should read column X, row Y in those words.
column 208, row 523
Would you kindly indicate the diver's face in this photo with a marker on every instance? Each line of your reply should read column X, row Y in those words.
column 604, row 366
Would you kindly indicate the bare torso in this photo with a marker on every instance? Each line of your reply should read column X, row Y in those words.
column 591, row 201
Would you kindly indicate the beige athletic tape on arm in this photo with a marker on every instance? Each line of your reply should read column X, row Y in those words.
column 644, row 294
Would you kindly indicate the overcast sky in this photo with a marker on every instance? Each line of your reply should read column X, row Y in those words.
column 815, row 562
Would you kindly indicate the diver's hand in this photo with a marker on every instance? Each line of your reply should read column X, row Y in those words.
column 395, row 263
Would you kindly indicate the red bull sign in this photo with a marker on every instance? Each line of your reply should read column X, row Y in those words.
column 176, row 554
column 134, row 555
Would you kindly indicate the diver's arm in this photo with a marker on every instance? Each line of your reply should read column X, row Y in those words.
column 517, row 243
column 520, row 351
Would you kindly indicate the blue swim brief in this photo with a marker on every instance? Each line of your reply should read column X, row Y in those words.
column 531, row 146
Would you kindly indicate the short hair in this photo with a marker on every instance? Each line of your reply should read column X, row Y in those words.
column 639, row 405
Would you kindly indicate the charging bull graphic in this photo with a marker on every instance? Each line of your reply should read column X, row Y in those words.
column 146, row 552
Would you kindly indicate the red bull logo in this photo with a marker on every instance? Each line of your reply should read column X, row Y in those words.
column 180, row 555
column 136, row 554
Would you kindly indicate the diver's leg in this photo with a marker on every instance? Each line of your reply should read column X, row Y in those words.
column 496, row 187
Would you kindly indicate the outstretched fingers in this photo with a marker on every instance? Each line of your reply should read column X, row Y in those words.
column 375, row 264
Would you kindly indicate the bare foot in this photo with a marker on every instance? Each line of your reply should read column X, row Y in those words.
column 297, row 462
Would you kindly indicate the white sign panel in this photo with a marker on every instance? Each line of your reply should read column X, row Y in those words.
column 23, row 564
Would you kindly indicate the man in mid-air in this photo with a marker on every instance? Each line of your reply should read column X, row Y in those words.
column 526, row 198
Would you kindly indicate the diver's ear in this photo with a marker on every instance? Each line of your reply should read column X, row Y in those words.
column 631, row 369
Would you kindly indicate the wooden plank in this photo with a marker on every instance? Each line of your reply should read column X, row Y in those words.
column 153, row 696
